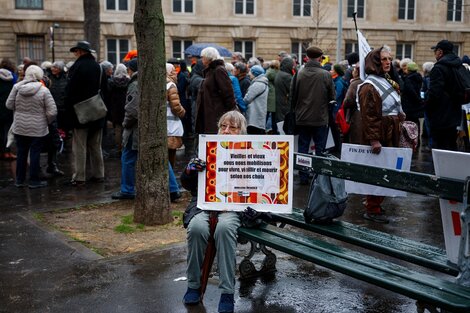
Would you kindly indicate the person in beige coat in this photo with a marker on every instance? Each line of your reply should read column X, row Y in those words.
column 33, row 109
column 175, row 112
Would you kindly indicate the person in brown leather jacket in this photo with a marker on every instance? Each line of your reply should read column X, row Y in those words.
column 381, row 113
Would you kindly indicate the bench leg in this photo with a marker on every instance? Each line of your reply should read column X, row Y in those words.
column 248, row 269
column 422, row 307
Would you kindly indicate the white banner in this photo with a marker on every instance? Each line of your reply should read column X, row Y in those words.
column 393, row 158
column 451, row 164
column 364, row 49
column 242, row 171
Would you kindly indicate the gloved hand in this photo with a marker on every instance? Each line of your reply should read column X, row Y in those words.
column 196, row 164
column 252, row 218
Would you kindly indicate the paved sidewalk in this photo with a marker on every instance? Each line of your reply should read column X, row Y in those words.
column 42, row 271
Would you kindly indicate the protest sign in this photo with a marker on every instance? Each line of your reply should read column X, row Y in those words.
column 393, row 158
column 242, row 171
column 451, row 164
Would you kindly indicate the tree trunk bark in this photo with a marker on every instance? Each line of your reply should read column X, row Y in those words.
column 91, row 24
column 152, row 205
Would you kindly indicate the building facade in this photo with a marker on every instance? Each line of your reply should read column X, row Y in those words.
column 46, row 29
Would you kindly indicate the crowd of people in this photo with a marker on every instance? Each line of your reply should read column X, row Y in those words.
column 212, row 96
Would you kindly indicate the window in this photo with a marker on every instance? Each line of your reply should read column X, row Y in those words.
column 117, row 5
column 245, row 7
column 29, row 4
column 456, row 48
column 179, row 46
column 116, row 49
column 350, row 47
column 183, row 6
column 404, row 50
column 454, row 10
column 300, row 49
column 406, row 10
column 32, row 47
column 356, row 6
column 302, row 7
column 245, row 47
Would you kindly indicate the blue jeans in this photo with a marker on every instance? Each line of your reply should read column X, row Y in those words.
column 171, row 176
column 319, row 134
column 32, row 146
column 128, row 162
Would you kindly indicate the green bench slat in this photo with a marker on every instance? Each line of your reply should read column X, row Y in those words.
column 402, row 248
column 427, row 288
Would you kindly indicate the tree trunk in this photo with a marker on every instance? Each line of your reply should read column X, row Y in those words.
column 91, row 24
column 152, row 205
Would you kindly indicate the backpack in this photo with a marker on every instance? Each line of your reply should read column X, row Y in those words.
column 462, row 84
column 327, row 199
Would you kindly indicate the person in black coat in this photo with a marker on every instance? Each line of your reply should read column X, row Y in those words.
column 411, row 95
column 443, row 112
column 83, row 83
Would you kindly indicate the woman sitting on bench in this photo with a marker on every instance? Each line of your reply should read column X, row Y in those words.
column 197, row 223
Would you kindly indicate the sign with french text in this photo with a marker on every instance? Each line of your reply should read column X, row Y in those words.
column 451, row 164
column 246, row 171
column 393, row 158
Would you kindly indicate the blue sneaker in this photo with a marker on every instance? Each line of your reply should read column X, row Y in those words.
column 192, row 296
column 226, row 303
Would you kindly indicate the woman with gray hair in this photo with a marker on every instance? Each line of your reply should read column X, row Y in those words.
column 33, row 110
column 216, row 94
column 198, row 224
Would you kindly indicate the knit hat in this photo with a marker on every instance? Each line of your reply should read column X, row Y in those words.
column 412, row 67
column 59, row 65
column 256, row 70
column 132, row 65
column 33, row 72
column 339, row 69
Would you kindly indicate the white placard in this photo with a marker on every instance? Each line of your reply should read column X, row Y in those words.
column 451, row 164
column 393, row 158
column 246, row 170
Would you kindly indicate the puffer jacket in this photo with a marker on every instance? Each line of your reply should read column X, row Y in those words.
column 173, row 98
column 33, row 109
column 256, row 99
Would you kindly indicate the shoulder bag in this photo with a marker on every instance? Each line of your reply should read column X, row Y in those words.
column 91, row 109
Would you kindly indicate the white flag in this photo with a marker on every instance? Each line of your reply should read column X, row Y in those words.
column 364, row 49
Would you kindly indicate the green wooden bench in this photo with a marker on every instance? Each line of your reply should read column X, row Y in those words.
column 447, row 293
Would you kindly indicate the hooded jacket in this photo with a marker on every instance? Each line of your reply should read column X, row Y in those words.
column 117, row 87
column 256, row 99
column 33, row 108
column 376, row 125
column 441, row 110
column 282, row 88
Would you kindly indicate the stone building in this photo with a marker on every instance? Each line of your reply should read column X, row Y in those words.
column 254, row 27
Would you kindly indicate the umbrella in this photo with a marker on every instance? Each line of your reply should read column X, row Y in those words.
column 195, row 49
column 209, row 255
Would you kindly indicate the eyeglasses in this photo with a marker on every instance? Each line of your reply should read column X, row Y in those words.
column 386, row 59
column 229, row 127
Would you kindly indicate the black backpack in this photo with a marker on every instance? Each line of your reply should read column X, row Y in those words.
column 461, row 93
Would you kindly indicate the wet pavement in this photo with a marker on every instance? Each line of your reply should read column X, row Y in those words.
column 43, row 271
